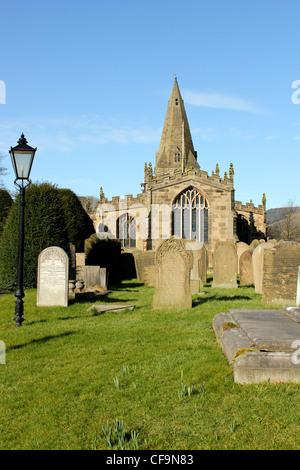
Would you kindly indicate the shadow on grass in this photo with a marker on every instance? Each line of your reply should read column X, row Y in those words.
column 219, row 298
column 40, row 341
column 104, row 300
column 34, row 322
column 127, row 286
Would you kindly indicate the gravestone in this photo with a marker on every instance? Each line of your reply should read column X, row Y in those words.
column 173, row 265
column 246, row 268
column 281, row 263
column 255, row 243
column 142, row 260
column 240, row 248
column 258, row 263
column 53, row 277
column 149, row 275
column 198, row 273
column 80, row 259
column 92, row 276
column 72, row 261
column 203, row 264
column 225, row 265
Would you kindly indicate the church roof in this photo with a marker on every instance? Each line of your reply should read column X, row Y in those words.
column 176, row 148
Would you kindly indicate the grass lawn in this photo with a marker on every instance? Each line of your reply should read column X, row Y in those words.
column 69, row 374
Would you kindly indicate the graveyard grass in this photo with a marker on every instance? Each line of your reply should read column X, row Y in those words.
column 69, row 373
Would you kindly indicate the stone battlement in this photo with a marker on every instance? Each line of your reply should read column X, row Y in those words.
column 249, row 207
column 179, row 176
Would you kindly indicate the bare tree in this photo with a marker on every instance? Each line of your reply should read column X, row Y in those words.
column 288, row 228
column 3, row 170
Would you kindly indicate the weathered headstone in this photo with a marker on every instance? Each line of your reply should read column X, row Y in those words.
column 256, row 242
column 240, row 248
column 173, row 265
column 72, row 261
column 194, row 247
column 199, row 270
column 203, row 264
column 142, row 260
column 258, row 263
column 281, row 263
column 149, row 275
column 225, row 265
column 246, row 268
column 92, row 276
column 80, row 259
column 53, row 277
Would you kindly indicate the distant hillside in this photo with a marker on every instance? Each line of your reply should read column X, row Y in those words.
column 275, row 215
column 284, row 223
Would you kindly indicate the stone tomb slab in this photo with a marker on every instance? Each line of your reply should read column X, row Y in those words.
column 110, row 307
column 262, row 345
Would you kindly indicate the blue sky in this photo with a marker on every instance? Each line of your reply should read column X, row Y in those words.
column 88, row 82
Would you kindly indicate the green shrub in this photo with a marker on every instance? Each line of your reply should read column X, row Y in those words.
column 105, row 253
column 78, row 224
column 5, row 205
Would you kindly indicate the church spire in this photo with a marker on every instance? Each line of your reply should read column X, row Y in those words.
column 176, row 150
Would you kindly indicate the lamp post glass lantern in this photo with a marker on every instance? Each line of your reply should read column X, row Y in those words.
column 22, row 156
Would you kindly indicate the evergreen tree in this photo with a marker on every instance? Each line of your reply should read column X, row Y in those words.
column 78, row 224
column 5, row 205
column 52, row 218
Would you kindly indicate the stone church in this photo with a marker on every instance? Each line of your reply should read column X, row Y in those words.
column 178, row 198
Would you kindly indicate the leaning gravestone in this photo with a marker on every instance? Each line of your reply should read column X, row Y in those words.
column 281, row 263
column 149, row 275
column 53, row 277
column 173, row 265
column 240, row 248
column 142, row 261
column 258, row 264
column 246, row 268
column 225, row 265
column 195, row 248
column 94, row 276
column 203, row 264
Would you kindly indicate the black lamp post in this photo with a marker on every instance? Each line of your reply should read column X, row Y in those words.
column 22, row 158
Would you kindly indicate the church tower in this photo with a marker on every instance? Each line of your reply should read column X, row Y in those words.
column 176, row 150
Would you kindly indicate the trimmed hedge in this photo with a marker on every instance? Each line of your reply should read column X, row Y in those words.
column 78, row 224
column 6, row 202
column 105, row 253
column 46, row 224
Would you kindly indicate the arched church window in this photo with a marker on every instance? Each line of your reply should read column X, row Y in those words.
column 126, row 231
column 190, row 216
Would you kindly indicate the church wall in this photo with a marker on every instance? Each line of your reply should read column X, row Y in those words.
column 218, row 194
column 251, row 221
